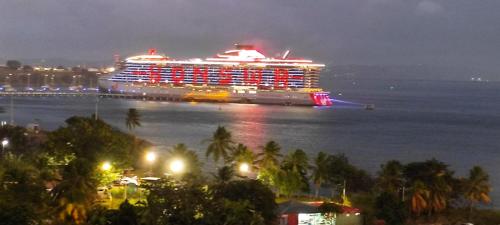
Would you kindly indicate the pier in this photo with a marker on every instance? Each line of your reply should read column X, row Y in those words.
column 171, row 98
column 45, row 94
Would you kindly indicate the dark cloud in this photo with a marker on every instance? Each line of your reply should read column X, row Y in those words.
column 450, row 32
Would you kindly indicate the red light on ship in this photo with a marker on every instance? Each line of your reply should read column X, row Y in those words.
column 321, row 99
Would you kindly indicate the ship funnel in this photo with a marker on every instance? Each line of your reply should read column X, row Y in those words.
column 285, row 55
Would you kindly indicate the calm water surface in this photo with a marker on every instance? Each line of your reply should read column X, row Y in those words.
column 456, row 122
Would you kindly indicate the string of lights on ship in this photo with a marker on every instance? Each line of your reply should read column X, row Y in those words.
column 146, row 72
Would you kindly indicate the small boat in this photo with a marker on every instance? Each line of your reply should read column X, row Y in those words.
column 369, row 107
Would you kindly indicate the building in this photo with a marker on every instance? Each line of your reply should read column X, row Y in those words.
column 308, row 213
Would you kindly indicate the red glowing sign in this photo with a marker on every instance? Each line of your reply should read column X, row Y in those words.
column 280, row 78
column 225, row 76
column 177, row 74
column 154, row 73
column 197, row 73
column 253, row 77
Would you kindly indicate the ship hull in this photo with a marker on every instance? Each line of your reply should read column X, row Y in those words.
column 214, row 94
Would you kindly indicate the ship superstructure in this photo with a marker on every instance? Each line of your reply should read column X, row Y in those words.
column 241, row 75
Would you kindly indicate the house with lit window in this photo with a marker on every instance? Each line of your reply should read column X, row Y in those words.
column 308, row 213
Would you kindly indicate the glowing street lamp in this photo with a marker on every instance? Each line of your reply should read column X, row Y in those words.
column 106, row 166
column 177, row 166
column 5, row 142
column 244, row 168
column 151, row 157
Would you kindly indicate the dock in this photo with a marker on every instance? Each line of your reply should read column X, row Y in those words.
column 171, row 98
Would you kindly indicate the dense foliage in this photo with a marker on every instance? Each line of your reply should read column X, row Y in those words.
column 53, row 177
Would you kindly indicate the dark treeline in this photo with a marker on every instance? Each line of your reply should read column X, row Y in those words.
column 53, row 177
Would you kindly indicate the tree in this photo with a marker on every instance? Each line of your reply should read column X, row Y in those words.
column 390, row 178
column 193, row 164
column 319, row 171
column 241, row 154
column 268, row 163
column 224, row 175
column 181, row 203
column 288, row 182
column 22, row 195
column 230, row 212
column 101, row 215
column 220, row 144
column 390, row 209
column 19, row 142
column 477, row 188
column 73, row 196
column 343, row 174
column 297, row 161
column 133, row 119
column 293, row 173
column 270, row 155
column 257, row 195
column 437, row 180
column 126, row 215
column 13, row 64
column 94, row 140
column 439, row 195
column 419, row 198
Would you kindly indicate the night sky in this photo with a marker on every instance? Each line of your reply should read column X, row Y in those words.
column 438, row 32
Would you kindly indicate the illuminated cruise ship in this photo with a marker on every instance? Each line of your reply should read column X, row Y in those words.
column 242, row 75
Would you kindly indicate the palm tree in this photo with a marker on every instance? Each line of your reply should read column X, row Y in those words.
column 439, row 194
column 319, row 171
column 22, row 189
column 297, row 161
column 293, row 173
column 419, row 198
column 241, row 154
column 224, row 175
column 220, row 144
column 270, row 155
column 268, row 163
column 390, row 177
column 477, row 188
column 193, row 164
column 74, row 195
column 133, row 119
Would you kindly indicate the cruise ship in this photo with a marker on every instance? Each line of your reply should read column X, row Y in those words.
column 241, row 75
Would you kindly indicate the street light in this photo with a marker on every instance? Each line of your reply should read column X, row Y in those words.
column 244, row 168
column 5, row 142
column 150, row 157
column 106, row 166
column 177, row 166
